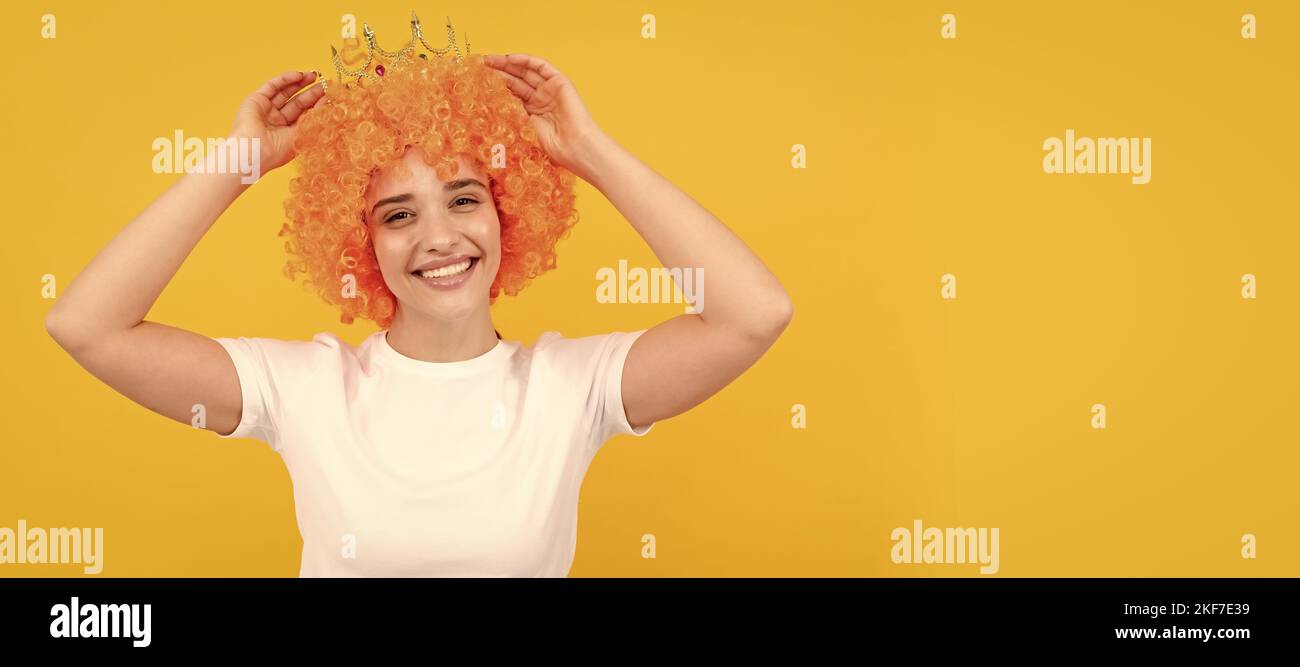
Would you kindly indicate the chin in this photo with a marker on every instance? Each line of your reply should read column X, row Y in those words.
column 449, row 306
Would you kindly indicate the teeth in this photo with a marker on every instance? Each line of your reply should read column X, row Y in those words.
column 444, row 271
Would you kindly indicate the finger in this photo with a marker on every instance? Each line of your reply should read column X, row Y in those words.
column 518, row 65
column 539, row 65
column 292, row 89
column 302, row 102
column 270, row 88
column 264, row 97
column 275, row 118
column 260, row 105
column 502, row 64
column 518, row 86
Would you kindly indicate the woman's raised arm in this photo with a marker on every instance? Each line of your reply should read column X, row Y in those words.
column 678, row 363
column 99, row 318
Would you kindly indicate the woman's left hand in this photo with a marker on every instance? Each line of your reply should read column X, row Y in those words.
column 564, row 127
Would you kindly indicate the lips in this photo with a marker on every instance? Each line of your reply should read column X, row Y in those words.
column 441, row 262
column 446, row 269
column 447, row 274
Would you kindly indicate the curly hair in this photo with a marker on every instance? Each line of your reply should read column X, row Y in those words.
column 448, row 109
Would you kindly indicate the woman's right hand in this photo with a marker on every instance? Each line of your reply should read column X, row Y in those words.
column 271, row 117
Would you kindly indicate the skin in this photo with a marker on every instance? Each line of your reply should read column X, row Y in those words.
column 433, row 224
column 674, row 366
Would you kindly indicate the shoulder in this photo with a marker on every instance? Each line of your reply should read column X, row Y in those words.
column 556, row 343
column 321, row 343
column 583, row 353
column 591, row 369
column 286, row 356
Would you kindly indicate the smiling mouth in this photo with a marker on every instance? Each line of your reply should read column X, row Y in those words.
column 452, row 275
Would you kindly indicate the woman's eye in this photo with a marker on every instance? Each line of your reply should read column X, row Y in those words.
column 394, row 218
column 457, row 201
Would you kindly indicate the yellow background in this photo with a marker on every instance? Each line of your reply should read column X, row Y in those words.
column 924, row 158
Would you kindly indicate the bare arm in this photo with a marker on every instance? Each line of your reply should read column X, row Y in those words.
column 99, row 319
column 680, row 362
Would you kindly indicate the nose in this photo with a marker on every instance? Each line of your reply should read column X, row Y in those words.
column 438, row 234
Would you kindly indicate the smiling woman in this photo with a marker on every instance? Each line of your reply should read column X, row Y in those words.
column 429, row 119
column 438, row 248
column 431, row 186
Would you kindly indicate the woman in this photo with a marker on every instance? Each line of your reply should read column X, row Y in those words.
column 433, row 448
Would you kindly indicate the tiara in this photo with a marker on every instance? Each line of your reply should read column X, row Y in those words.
column 371, row 71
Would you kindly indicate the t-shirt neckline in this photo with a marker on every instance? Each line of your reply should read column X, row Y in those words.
column 482, row 362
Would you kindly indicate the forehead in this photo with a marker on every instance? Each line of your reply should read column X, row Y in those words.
column 418, row 176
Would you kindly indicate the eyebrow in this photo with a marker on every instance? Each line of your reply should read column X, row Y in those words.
column 449, row 186
column 461, row 183
column 395, row 199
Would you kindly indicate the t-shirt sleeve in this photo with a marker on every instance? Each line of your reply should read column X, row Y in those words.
column 269, row 370
column 594, row 365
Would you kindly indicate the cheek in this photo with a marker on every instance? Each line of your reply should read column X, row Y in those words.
column 488, row 231
column 389, row 252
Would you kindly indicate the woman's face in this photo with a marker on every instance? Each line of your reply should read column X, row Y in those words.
column 438, row 244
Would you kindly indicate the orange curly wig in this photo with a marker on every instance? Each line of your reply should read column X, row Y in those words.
column 448, row 108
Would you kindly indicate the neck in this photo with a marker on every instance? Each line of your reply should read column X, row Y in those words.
column 441, row 341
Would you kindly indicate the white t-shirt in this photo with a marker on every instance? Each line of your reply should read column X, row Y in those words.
column 409, row 468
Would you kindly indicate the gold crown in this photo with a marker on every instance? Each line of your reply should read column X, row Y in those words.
column 370, row 71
